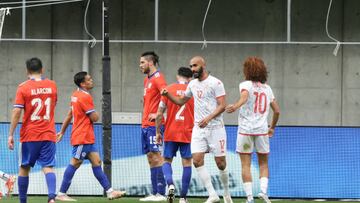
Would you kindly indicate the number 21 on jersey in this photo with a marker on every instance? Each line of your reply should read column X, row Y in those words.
column 38, row 103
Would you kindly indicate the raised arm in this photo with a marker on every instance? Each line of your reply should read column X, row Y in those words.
column 15, row 117
column 244, row 96
column 175, row 99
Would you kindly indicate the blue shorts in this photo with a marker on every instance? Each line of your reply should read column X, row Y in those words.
column 42, row 152
column 81, row 152
column 171, row 148
column 148, row 139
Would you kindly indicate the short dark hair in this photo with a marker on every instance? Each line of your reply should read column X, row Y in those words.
column 151, row 56
column 185, row 72
column 79, row 77
column 34, row 65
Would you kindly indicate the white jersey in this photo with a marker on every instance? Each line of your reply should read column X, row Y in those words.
column 253, row 114
column 205, row 93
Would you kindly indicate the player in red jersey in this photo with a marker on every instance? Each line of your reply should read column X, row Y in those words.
column 38, row 97
column 153, row 83
column 83, row 138
column 177, row 135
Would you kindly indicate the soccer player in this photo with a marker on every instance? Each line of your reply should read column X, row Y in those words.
column 253, row 132
column 154, row 81
column 9, row 182
column 83, row 138
column 37, row 97
column 209, row 132
column 177, row 135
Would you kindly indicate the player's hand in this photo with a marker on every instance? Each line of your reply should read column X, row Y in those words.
column 152, row 117
column 230, row 108
column 204, row 122
column 11, row 142
column 59, row 136
column 164, row 92
column 158, row 139
column 271, row 132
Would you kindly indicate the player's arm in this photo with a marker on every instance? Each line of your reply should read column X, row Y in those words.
column 276, row 114
column 175, row 99
column 159, row 116
column 15, row 117
column 244, row 96
column 221, row 104
column 94, row 116
column 64, row 126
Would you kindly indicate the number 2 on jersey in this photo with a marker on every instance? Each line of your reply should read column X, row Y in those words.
column 260, row 102
column 179, row 116
column 39, row 103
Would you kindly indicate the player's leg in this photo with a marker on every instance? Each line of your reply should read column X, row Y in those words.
column 219, row 143
column 70, row 170
column 263, row 149
column 47, row 161
column 95, row 160
column 170, row 149
column 199, row 146
column 186, row 156
column 23, row 183
column 245, row 147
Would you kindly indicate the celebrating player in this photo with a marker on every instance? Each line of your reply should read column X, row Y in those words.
column 177, row 135
column 153, row 83
column 9, row 182
column 37, row 96
column 83, row 138
column 253, row 132
column 209, row 132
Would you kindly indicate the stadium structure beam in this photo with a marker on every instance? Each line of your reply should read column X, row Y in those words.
column 106, row 92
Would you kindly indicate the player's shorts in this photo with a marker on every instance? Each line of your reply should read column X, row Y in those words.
column 246, row 144
column 42, row 152
column 209, row 139
column 148, row 139
column 81, row 152
column 170, row 149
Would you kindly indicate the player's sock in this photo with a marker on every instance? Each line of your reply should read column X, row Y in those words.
column 224, row 177
column 167, row 170
column 4, row 176
column 248, row 190
column 206, row 180
column 101, row 177
column 68, row 175
column 51, row 184
column 264, row 184
column 23, row 183
column 153, row 180
column 161, row 185
column 186, row 178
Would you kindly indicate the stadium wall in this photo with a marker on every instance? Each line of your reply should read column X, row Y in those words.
column 305, row 162
column 312, row 86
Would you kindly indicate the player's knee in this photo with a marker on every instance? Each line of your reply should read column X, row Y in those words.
column 221, row 164
column 198, row 162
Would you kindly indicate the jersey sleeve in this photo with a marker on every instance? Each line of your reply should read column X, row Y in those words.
column 188, row 92
column 219, row 89
column 160, row 81
column 245, row 86
column 87, row 104
column 19, row 99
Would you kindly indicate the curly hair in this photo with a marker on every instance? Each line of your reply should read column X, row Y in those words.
column 255, row 69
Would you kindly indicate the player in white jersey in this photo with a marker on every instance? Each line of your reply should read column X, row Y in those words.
column 256, row 98
column 208, row 134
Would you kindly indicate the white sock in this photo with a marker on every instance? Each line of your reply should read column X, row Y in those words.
column 224, row 177
column 4, row 176
column 110, row 190
column 60, row 193
column 248, row 190
column 206, row 180
column 264, row 184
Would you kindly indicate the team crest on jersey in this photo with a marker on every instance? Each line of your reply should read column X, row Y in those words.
column 157, row 75
column 200, row 93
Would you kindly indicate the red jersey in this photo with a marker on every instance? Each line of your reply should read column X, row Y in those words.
column 38, row 99
column 82, row 106
column 153, row 84
column 180, row 119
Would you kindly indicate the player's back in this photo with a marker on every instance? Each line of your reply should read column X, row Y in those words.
column 253, row 114
column 38, row 98
column 83, row 130
column 180, row 119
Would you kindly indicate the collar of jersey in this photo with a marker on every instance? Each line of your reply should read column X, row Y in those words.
column 182, row 82
column 83, row 90
column 34, row 79
column 150, row 76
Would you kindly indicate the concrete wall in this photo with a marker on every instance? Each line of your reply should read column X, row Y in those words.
column 312, row 86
